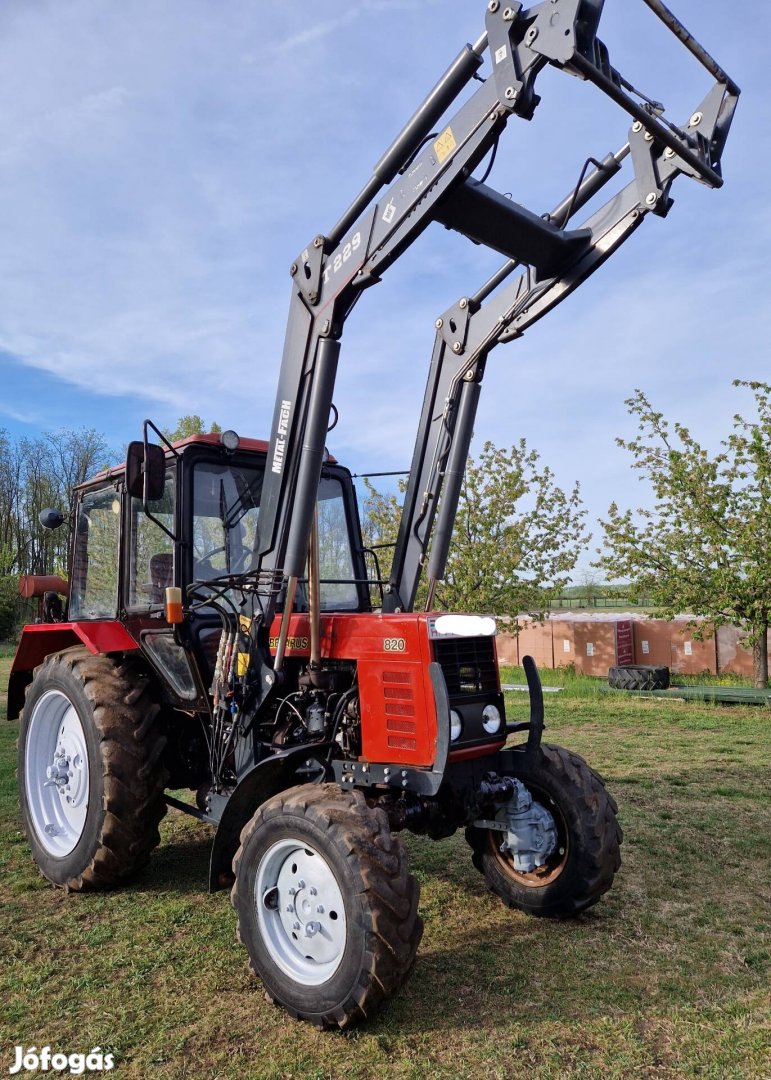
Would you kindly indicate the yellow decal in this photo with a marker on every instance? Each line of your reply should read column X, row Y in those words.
column 444, row 145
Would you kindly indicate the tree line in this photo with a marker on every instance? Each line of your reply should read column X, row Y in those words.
column 36, row 473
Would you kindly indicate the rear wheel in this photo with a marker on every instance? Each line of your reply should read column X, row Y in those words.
column 326, row 907
column 586, row 856
column 90, row 774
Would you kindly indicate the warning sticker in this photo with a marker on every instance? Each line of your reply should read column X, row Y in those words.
column 444, row 145
column 501, row 54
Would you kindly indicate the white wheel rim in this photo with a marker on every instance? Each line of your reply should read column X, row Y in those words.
column 56, row 781
column 300, row 912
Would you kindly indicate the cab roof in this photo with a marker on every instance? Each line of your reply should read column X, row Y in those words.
column 212, row 438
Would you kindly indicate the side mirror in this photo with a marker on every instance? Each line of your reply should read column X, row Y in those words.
column 145, row 471
column 51, row 519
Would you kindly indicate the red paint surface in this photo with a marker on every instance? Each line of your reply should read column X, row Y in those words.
column 38, row 641
column 392, row 654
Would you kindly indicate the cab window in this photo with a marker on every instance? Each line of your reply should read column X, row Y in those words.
column 94, row 587
column 336, row 566
column 151, row 549
column 226, row 506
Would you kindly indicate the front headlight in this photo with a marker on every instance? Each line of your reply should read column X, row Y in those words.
column 456, row 725
column 491, row 720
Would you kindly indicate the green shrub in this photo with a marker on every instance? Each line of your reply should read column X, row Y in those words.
column 9, row 606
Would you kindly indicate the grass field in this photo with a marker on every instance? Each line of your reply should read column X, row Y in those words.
column 667, row 977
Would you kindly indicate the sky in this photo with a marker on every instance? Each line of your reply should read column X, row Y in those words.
column 162, row 162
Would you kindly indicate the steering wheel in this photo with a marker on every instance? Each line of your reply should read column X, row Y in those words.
column 203, row 561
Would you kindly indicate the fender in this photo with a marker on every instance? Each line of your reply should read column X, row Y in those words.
column 300, row 765
column 40, row 640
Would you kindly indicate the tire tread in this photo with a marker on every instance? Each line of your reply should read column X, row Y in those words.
column 379, row 864
column 131, row 746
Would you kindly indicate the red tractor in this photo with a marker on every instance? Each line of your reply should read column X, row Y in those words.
column 225, row 632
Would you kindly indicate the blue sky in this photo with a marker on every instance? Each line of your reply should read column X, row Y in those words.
column 163, row 161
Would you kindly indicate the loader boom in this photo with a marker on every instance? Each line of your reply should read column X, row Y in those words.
column 427, row 177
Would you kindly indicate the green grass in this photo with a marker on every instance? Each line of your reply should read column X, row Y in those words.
column 667, row 977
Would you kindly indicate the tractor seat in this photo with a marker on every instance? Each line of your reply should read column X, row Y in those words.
column 161, row 576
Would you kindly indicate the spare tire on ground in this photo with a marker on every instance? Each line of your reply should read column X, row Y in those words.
column 638, row 677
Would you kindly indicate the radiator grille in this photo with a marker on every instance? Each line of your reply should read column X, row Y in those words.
column 468, row 665
column 399, row 704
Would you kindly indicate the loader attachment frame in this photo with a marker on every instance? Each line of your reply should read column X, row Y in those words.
column 426, row 177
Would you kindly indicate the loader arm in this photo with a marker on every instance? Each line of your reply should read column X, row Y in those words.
column 426, row 177
column 501, row 311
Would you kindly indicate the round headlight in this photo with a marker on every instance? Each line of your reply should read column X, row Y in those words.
column 456, row 725
column 491, row 719
column 229, row 440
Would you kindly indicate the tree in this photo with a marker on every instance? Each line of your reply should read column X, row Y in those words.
column 517, row 535
column 704, row 547
column 189, row 425
column 34, row 474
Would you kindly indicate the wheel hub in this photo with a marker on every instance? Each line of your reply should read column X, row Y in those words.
column 56, row 774
column 300, row 911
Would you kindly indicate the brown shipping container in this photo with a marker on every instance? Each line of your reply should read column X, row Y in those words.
column 595, row 646
column 563, row 642
column 689, row 656
column 652, row 642
column 731, row 654
column 535, row 639
column 508, row 649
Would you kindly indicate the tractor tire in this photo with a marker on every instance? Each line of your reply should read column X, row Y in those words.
column 638, row 677
column 91, row 777
column 326, row 907
column 587, row 856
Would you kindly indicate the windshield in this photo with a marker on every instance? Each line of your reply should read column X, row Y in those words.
column 226, row 508
column 226, row 505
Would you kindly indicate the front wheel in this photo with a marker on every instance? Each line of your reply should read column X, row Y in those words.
column 586, row 855
column 326, row 908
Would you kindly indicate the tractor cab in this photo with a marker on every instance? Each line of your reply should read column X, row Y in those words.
column 184, row 517
column 198, row 525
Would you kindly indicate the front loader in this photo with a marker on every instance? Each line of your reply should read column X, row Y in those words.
column 224, row 633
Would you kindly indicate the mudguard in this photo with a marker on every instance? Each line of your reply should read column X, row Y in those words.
column 300, row 765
